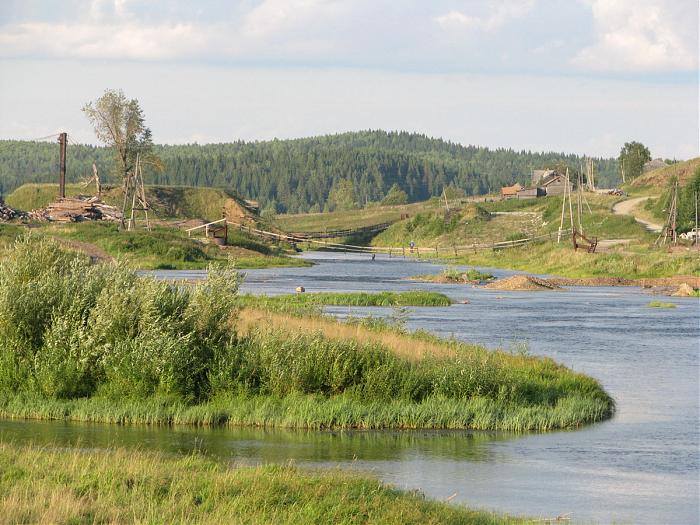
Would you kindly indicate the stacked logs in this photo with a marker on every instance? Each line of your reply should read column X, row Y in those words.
column 8, row 214
column 77, row 209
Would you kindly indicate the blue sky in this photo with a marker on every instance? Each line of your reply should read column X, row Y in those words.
column 566, row 75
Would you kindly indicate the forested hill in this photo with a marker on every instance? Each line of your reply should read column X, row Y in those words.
column 298, row 175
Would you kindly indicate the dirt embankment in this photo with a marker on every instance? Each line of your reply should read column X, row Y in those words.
column 526, row 283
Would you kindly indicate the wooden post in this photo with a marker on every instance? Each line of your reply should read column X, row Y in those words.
column 62, row 141
column 696, row 218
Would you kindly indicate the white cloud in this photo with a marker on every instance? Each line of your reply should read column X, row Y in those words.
column 642, row 36
column 499, row 13
column 112, row 40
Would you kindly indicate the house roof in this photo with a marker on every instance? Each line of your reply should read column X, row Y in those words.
column 553, row 177
column 511, row 190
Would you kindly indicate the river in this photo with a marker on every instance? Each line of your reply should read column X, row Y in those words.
column 640, row 467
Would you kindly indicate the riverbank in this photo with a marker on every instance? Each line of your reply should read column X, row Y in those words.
column 162, row 247
column 54, row 485
column 631, row 263
column 95, row 342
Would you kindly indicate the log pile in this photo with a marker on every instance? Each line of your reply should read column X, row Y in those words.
column 8, row 214
column 77, row 209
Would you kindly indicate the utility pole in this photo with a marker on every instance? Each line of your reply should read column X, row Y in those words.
column 62, row 142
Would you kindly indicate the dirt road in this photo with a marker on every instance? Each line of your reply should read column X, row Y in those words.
column 627, row 208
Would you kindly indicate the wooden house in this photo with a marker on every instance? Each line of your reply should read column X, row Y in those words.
column 511, row 192
column 555, row 184
column 530, row 193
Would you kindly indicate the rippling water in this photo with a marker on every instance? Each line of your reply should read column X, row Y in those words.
column 640, row 467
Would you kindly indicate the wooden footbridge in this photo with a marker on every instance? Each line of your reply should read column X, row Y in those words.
column 310, row 239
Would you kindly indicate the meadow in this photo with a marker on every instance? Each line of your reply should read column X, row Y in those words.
column 95, row 342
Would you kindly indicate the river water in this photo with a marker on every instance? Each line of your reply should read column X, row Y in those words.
column 640, row 467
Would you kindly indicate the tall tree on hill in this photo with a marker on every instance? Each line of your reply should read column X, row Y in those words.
column 119, row 123
column 632, row 157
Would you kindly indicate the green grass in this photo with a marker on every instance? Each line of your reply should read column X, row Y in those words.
column 560, row 259
column 410, row 298
column 341, row 220
column 54, row 485
column 97, row 343
column 660, row 304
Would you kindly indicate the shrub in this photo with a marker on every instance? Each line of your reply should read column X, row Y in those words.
column 68, row 326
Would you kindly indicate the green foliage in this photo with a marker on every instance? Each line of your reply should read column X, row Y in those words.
column 294, row 175
column 396, row 196
column 688, row 198
column 70, row 327
column 342, row 196
column 120, row 125
column 632, row 157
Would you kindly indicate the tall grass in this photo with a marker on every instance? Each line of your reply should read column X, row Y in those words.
column 86, row 341
column 409, row 298
column 52, row 485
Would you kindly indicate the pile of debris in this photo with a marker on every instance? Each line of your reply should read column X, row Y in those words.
column 77, row 209
column 8, row 214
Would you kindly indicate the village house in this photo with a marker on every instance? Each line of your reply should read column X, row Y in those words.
column 543, row 182
column 511, row 192
column 554, row 183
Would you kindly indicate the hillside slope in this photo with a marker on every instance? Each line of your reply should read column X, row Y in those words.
column 660, row 178
column 298, row 175
column 173, row 202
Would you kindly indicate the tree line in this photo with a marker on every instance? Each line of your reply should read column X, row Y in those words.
column 310, row 174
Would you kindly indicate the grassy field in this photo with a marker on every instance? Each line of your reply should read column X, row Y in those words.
column 97, row 343
column 54, row 485
column 340, row 220
column 410, row 298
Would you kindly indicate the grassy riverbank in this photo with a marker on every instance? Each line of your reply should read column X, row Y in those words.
column 410, row 298
column 560, row 259
column 163, row 247
column 97, row 343
column 54, row 485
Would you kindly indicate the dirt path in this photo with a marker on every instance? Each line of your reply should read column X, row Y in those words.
column 627, row 208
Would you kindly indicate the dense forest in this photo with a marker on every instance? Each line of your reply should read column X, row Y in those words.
column 299, row 175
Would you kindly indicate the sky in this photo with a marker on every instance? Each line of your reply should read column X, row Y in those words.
column 579, row 76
